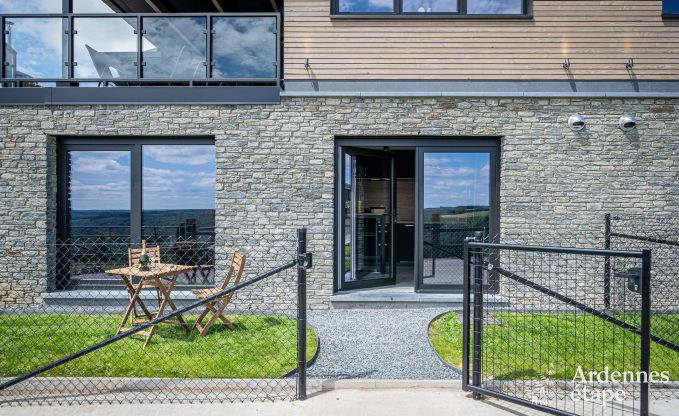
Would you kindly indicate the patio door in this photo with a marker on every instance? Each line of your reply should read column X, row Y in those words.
column 456, row 198
column 367, row 218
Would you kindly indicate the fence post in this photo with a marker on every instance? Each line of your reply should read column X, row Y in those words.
column 607, row 262
column 465, row 313
column 301, row 314
column 478, row 315
column 645, row 365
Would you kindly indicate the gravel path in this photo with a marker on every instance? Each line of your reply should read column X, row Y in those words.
column 377, row 344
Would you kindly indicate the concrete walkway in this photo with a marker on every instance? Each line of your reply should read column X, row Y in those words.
column 343, row 402
column 377, row 344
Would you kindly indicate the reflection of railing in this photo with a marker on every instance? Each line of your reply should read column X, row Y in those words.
column 176, row 49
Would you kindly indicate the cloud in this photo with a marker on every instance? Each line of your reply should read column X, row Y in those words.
column 366, row 5
column 244, row 47
column 192, row 155
column 93, row 165
column 435, row 6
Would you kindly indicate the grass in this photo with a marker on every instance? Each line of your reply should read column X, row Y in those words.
column 531, row 345
column 262, row 346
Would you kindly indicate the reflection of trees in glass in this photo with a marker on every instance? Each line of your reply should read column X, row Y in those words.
column 244, row 47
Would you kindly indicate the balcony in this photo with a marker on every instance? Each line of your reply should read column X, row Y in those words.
column 170, row 50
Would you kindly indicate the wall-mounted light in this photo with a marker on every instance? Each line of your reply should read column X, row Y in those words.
column 627, row 122
column 630, row 64
column 567, row 64
column 576, row 122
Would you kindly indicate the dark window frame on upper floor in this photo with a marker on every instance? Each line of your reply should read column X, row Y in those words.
column 670, row 15
column 399, row 14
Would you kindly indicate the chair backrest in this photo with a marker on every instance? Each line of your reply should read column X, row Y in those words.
column 133, row 255
column 237, row 266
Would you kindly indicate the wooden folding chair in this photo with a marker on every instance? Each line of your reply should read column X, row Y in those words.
column 217, row 306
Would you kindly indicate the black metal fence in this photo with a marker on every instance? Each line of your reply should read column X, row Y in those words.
column 74, row 345
column 555, row 342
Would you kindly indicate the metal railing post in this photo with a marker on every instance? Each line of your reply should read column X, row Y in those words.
column 465, row 312
column 645, row 364
column 607, row 262
column 478, row 315
column 301, row 313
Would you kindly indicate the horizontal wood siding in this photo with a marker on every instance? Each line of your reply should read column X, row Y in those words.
column 598, row 37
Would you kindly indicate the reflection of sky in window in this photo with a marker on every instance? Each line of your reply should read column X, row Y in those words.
column 244, row 47
column 100, row 180
column 455, row 179
column 178, row 177
column 494, row 6
column 670, row 6
column 38, row 46
column 177, row 47
column 429, row 6
column 31, row 6
column 91, row 6
column 104, row 35
column 357, row 6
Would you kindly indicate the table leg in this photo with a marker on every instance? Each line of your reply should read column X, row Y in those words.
column 131, row 290
column 166, row 293
column 135, row 295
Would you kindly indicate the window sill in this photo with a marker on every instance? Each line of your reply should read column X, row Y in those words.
column 431, row 16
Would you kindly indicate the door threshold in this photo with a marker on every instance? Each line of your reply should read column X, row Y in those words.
column 399, row 297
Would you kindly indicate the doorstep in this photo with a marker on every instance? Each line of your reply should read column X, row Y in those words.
column 404, row 297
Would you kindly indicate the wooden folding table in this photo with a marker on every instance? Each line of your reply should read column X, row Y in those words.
column 161, row 277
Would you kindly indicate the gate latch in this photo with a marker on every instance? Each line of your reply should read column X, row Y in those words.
column 306, row 260
column 633, row 276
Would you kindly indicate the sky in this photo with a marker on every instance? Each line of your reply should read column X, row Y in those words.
column 454, row 179
column 174, row 177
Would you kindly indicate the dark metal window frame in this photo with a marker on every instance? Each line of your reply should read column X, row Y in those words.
column 398, row 13
column 131, row 144
column 449, row 143
column 139, row 33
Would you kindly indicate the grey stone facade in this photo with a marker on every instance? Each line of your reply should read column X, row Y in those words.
column 275, row 167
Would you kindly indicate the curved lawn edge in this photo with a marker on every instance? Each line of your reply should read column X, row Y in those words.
column 313, row 358
column 431, row 343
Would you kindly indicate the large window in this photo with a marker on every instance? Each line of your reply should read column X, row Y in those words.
column 670, row 8
column 125, row 190
column 420, row 8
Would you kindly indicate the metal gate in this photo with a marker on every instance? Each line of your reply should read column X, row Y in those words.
column 558, row 336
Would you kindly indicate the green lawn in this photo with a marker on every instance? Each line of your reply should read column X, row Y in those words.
column 531, row 345
column 262, row 346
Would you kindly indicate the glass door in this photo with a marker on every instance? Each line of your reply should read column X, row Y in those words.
column 367, row 194
column 456, row 199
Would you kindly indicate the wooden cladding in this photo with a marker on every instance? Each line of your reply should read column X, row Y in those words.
column 597, row 36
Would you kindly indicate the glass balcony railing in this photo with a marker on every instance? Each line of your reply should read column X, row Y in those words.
column 139, row 49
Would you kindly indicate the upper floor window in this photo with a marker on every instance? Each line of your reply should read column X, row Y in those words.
column 670, row 8
column 449, row 8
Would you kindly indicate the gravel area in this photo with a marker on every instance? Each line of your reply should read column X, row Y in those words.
column 377, row 344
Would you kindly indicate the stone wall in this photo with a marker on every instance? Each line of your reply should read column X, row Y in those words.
column 275, row 166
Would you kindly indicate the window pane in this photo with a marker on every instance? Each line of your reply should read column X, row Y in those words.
column 430, row 6
column 34, row 47
column 366, row 6
column 99, row 196
column 670, row 6
column 174, row 47
column 178, row 192
column 91, row 6
column 43, row 6
column 456, row 204
column 495, row 6
column 244, row 47
column 105, row 47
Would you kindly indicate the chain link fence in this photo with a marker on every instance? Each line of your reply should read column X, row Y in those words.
column 85, row 293
column 661, row 235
